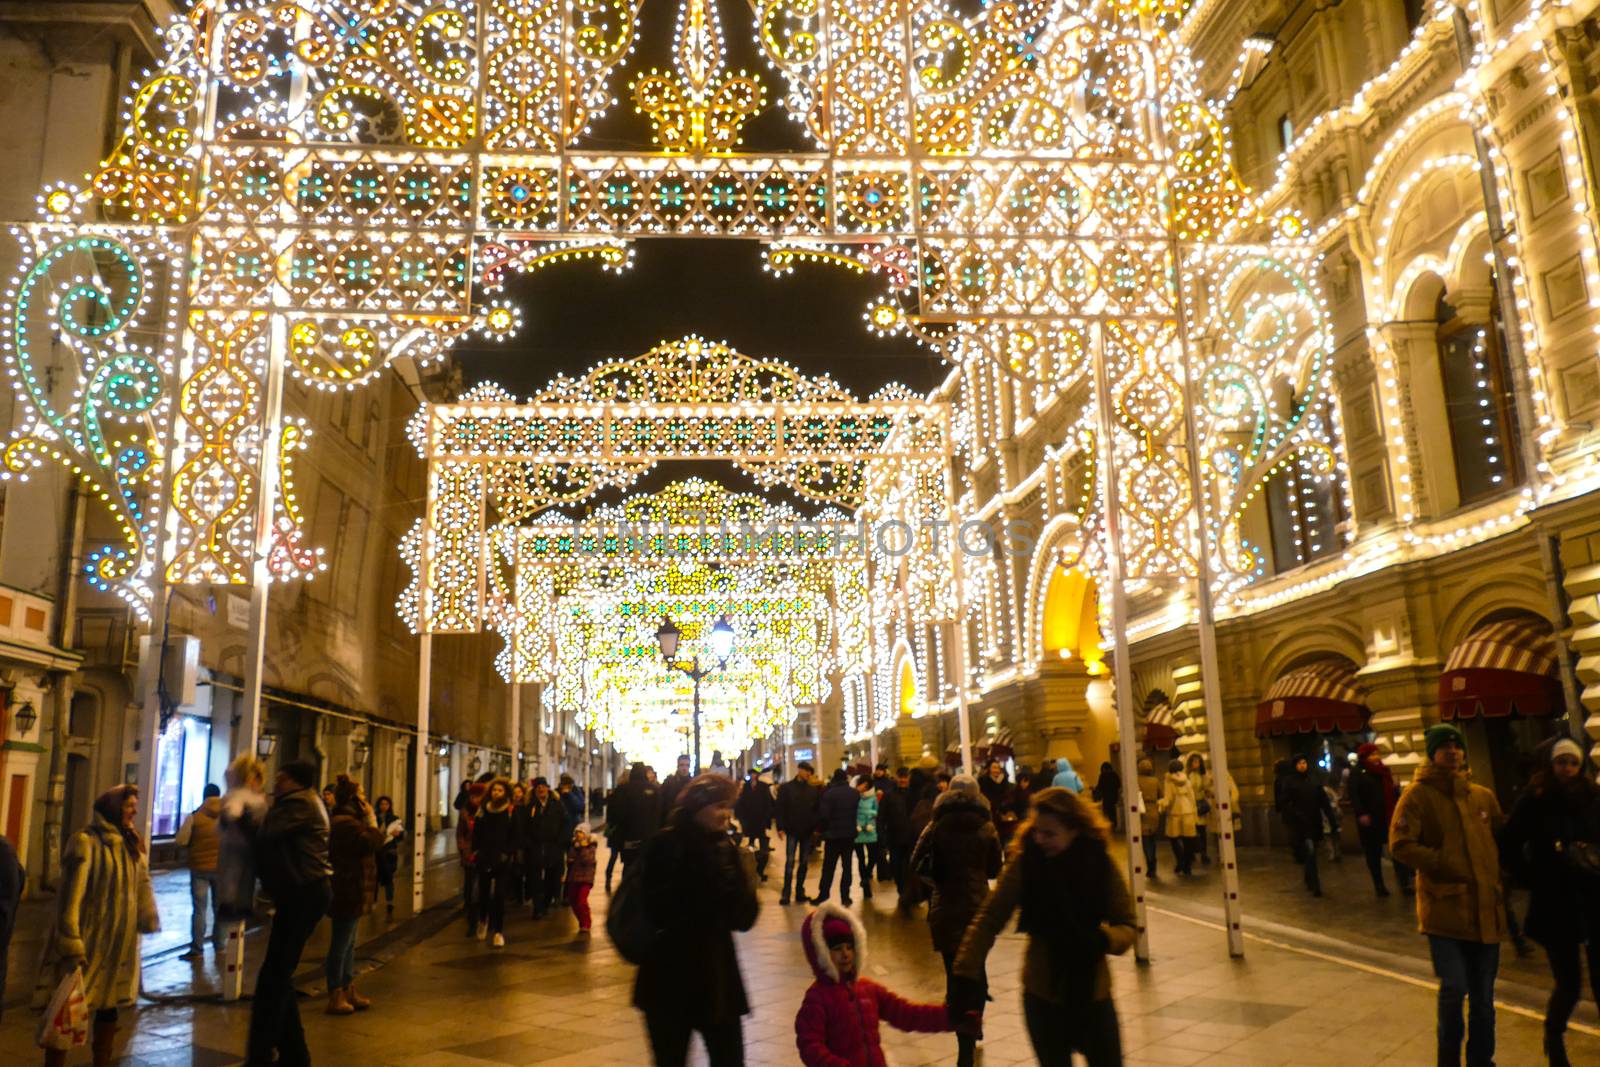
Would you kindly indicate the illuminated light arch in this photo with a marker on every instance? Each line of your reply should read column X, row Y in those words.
column 363, row 175
column 1070, row 628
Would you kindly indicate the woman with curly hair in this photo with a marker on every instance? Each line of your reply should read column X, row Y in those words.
column 1076, row 910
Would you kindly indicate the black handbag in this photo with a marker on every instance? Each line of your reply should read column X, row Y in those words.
column 1582, row 858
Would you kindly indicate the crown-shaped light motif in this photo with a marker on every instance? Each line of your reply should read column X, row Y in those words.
column 698, row 107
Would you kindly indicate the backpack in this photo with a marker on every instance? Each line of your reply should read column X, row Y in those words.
column 628, row 921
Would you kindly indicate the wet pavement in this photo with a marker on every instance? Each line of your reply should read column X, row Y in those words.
column 1342, row 985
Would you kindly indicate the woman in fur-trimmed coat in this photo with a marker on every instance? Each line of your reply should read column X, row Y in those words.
column 105, row 903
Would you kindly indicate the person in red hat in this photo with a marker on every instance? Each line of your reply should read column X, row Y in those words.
column 837, row 1025
column 1373, row 795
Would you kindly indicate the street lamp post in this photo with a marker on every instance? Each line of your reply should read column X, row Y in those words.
column 721, row 646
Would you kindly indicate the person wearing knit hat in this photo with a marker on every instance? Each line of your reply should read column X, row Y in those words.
column 956, row 856
column 1373, row 795
column 838, row 1019
column 1446, row 828
column 1554, row 818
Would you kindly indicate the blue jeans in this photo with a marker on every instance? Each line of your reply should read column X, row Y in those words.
column 203, row 888
column 341, row 964
column 795, row 847
column 1466, row 971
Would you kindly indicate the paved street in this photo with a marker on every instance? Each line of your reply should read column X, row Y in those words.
column 551, row 998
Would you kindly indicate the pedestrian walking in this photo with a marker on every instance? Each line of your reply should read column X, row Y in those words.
column 1373, row 795
column 1150, row 814
column 1180, row 816
column 866, row 843
column 894, row 821
column 581, row 867
column 292, row 858
column 1205, row 803
column 1108, row 792
column 1066, row 777
column 1305, row 809
column 957, row 855
column 244, row 808
column 836, row 818
column 1076, row 910
column 1022, row 795
column 635, row 814
column 466, row 818
column 796, row 818
column 698, row 890
column 754, row 810
column 104, row 903
column 1444, row 828
column 394, row 831
column 837, row 1025
column 999, row 791
column 353, row 843
column 1333, row 786
column 13, row 879
column 494, row 847
column 572, row 800
column 671, row 784
column 200, row 835
column 1553, row 827
column 545, row 839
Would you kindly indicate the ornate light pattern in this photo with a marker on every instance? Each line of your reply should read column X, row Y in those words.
column 1037, row 184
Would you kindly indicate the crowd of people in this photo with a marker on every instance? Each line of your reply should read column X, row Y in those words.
column 974, row 850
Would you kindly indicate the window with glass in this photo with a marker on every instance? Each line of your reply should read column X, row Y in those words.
column 1304, row 510
column 183, row 765
column 1477, row 401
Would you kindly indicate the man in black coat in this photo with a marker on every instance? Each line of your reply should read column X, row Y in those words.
column 1304, row 804
column 546, row 836
column 634, row 811
column 670, row 786
column 836, row 816
column 796, row 816
column 894, row 826
column 754, row 810
column 292, row 859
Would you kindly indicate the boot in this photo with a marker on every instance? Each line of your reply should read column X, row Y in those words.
column 338, row 1003
column 55, row 1057
column 104, row 1036
column 357, row 1001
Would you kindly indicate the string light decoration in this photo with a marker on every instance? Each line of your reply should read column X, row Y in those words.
column 495, row 462
column 1039, row 186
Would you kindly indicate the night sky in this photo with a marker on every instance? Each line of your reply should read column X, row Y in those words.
column 576, row 315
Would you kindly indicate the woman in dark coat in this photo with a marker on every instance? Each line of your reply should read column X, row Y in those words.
column 698, row 889
column 1560, row 807
column 1076, row 910
column 353, row 843
column 494, row 842
column 961, row 850
column 394, row 831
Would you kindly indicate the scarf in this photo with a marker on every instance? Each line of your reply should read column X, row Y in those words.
column 108, row 806
column 1064, row 900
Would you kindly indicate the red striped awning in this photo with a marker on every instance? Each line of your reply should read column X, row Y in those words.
column 1502, row 669
column 1322, row 696
column 1159, row 733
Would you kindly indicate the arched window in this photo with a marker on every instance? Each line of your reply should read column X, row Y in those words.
column 1305, row 507
column 1477, row 400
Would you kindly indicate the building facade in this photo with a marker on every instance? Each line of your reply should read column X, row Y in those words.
column 1444, row 165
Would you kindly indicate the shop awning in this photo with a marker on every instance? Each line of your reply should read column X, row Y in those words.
column 1317, row 697
column 1159, row 734
column 1503, row 669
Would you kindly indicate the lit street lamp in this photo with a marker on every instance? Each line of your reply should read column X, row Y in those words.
column 721, row 647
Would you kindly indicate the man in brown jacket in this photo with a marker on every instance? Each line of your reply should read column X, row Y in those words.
column 1445, row 828
column 199, row 834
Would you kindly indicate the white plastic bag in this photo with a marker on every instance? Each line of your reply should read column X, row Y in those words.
column 65, row 1023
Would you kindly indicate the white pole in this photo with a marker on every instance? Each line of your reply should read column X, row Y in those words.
column 244, row 738
column 419, row 811
column 1122, row 667
column 872, row 724
column 516, row 728
column 963, row 730
column 1211, row 678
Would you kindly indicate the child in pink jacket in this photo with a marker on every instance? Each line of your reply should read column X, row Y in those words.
column 838, row 1021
